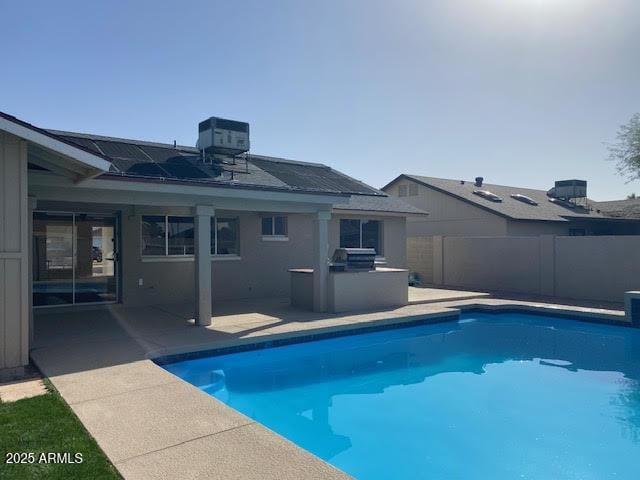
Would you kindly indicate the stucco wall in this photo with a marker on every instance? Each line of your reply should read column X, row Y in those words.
column 447, row 215
column 519, row 228
column 598, row 268
column 394, row 236
column 261, row 271
column 14, row 254
column 494, row 263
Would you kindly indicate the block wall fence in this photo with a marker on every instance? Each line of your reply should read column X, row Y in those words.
column 597, row 268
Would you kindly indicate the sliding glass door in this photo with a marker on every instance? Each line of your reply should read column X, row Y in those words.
column 74, row 258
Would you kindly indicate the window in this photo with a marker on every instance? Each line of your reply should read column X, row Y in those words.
column 361, row 234
column 274, row 226
column 174, row 236
column 154, row 235
column 225, row 236
column 164, row 235
column 180, row 236
column 402, row 191
column 413, row 190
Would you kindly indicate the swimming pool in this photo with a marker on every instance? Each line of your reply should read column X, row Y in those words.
column 498, row 396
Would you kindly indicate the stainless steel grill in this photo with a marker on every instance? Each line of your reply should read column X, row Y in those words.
column 345, row 259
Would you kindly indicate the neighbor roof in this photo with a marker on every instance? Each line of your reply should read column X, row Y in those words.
column 508, row 207
column 139, row 159
column 629, row 208
column 379, row 204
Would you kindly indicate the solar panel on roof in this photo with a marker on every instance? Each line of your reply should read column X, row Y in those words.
column 123, row 164
column 83, row 142
column 148, row 169
column 159, row 154
column 183, row 171
column 311, row 177
column 122, row 150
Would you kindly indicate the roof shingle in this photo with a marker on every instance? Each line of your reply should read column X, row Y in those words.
column 509, row 207
column 156, row 161
column 629, row 208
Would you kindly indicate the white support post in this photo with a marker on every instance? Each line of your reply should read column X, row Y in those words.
column 202, row 234
column 321, row 261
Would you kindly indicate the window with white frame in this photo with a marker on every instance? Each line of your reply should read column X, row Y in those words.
column 274, row 226
column 225, row 236
column 357, row 233
column 402, row 190
column 413, row 189
column 164, row 235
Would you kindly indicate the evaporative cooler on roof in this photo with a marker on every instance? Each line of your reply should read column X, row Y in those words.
column 223, row 137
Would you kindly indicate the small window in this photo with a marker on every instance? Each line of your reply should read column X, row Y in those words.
column 225, row 236
column 402, row 191
column 274, row 226
column 413, row 190
column 361, row 234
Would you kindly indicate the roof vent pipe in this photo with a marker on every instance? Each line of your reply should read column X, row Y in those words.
column 479, row 181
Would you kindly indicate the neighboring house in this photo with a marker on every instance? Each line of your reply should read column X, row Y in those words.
column 88, row 219
column 629, row 208
column 458, row 207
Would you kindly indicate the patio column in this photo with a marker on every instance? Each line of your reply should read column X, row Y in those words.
column 321, row 261
column 202, row 261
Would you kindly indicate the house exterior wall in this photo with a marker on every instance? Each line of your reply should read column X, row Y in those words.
column 447, row 215
column 14, row 255
column 522, row 228
column 261, row 271
column 394, row 235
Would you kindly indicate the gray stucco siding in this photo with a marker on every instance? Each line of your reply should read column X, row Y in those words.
column 260, row 271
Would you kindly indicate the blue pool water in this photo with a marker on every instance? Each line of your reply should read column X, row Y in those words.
column 504, row 396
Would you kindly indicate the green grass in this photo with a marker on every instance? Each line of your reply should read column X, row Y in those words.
column 47, row 424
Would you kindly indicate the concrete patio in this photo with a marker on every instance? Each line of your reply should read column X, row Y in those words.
column 151, row 424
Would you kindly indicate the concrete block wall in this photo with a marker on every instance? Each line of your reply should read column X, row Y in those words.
column 420, row 257
column 597, row 268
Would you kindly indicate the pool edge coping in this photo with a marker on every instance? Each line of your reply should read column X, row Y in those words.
column 168, row 356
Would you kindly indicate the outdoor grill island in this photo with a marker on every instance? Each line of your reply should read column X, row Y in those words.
column 355, row 282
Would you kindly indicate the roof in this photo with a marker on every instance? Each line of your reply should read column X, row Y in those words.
column 509, row 207
column 151, row 161
column 72, row 158
column 629, row 208
column 379, row 204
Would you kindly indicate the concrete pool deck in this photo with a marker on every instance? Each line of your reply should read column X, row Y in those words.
column 152, row 424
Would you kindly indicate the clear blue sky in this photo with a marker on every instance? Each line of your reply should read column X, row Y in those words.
column 521, row 92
